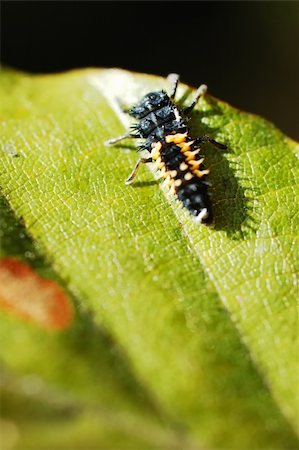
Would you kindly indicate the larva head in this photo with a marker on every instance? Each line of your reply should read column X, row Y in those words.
column 150, row 102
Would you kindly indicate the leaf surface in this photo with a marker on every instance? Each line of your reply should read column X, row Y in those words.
column 205, row 316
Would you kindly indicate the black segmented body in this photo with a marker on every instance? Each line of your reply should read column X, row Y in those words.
column 157, row 116
column 176, row 155
column 163, row 128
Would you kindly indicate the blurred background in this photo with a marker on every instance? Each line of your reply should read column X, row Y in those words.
column 247, row 52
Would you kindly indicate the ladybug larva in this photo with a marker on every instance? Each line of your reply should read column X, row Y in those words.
column 166, row 138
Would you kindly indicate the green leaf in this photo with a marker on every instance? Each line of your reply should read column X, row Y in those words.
column 187, row 331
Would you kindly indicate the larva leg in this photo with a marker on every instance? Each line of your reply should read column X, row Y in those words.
column 173, row 78
column 120, row 138
column 204, row 139
column 132, row 176
column 199, row 93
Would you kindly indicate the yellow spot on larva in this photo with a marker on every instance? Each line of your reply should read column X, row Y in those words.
column 163, row 172
column 176, row 138
column 183, row 166
column 188, row 176
column 173, row 173
column 156, row 147
column 169, row 181
column 172, row 189
column 178, row 183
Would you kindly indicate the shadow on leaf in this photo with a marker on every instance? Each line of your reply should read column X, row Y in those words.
column 231, row 207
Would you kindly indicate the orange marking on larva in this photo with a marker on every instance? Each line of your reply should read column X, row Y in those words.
column 185, row 147
column 29, row 296
column 189, row 156
column 176, row 138
column 201, row 173
column 195, row 164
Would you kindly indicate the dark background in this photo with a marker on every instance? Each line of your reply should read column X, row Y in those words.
column 247, row 52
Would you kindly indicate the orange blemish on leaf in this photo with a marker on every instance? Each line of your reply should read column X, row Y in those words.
column 26, row 294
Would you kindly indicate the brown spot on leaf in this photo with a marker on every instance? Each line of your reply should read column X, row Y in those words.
column 25, row 293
